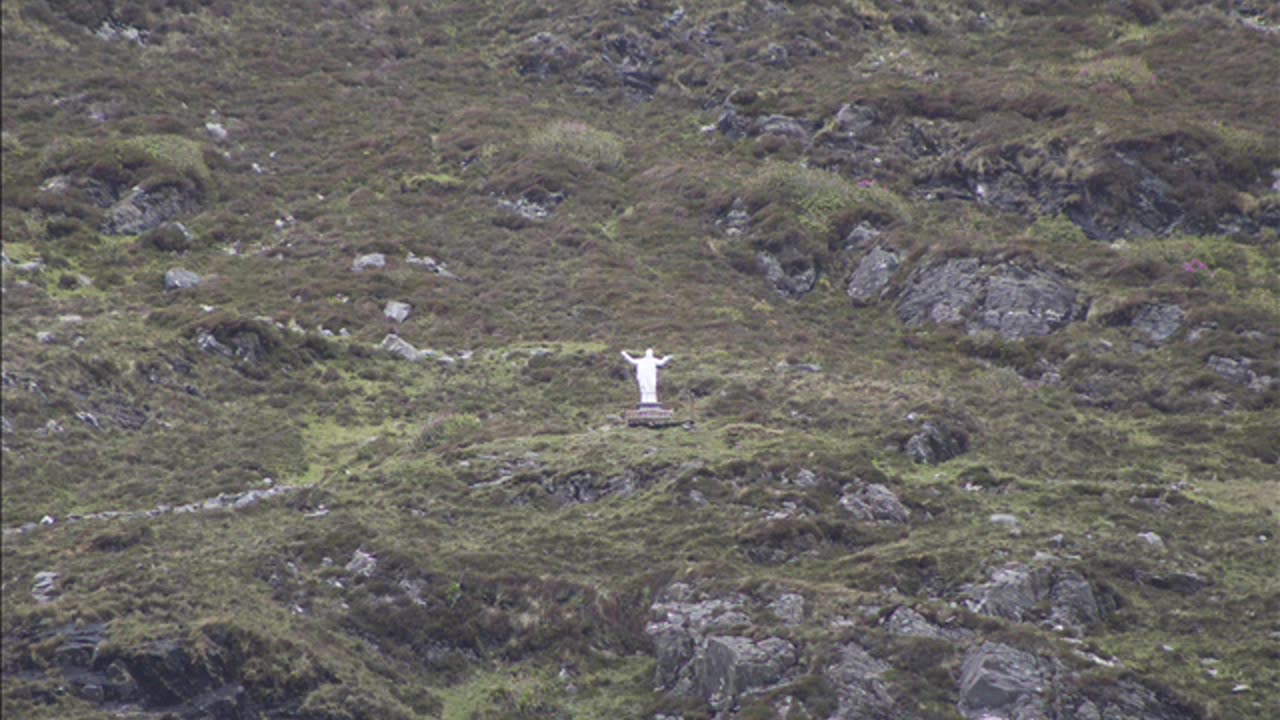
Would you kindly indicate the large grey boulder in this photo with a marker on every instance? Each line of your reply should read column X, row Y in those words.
column 371, row 261
column 1021, row 303
column 940, row 293
column 861, row 692
column 142, row 210
column 397, row 311
column 999, row 681
column 795, row 279
column 679, row 629
column 874, row 503
column 934, row 444
column 733, row 666
column 402, row 348
column 871, row 277
column 1057, row 597
column 1008, row 299
column 1158, row 322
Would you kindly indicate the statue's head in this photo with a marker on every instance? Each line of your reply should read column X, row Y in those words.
column 648, row 352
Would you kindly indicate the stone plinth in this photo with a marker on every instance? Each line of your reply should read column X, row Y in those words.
column 649, row 415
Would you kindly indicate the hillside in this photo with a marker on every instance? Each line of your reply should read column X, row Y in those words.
column 313, row 401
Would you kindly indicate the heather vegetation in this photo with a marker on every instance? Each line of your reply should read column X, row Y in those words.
column 312, row 401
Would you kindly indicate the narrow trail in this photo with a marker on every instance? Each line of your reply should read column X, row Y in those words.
column 224, row 501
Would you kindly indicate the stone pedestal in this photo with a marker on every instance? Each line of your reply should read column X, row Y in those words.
column 650, row 415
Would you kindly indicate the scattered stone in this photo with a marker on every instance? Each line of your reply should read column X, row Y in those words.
column 1240, row 371
column 362, row 563
column 44, row 587
column 1006, row 521
column 999, row 681
column 546, row 54
column 783, row 126
column 429, row 263
column 1152, row 539
column 785, row 366
column 180, row 279
column 141, row 210
column 1159, row 322
column 114, row 31
column 533, row 208
column 906, row 621
column 732, row 125
column 934, row 444
column 1183, row 583
column 371, row 261
column 397, row 311
column 210, row 344
column 858, row 122
column 789, row 608
column 400, row 347
column 794, row 281
column 869, row 281
column 736, row 220
column 216, row 131
column 45, row 337
column 874, row 503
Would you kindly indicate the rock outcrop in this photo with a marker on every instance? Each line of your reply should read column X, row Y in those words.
column 1015, row 301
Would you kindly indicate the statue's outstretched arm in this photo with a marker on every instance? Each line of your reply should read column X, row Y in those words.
column 628, row 357
column 664, row 360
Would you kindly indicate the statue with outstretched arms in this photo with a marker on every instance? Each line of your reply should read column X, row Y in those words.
column 647, row 374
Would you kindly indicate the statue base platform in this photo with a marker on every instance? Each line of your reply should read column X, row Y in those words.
column 650, row 415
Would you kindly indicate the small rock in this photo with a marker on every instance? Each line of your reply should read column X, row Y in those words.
column 789, row 608
column 362, row 563
column 907, row 622
column 1009, row 522
column 1152, row 539
column 371, row 261
column 935, row 444
column 397, row 311
column 793, row 281
column 180, row 279
column 44, row 587
column 397, row 345
column 1159, row 322
column 428, row 263
column 874, row 503
column 868, row 281
column 216, row 131
column 46, row 338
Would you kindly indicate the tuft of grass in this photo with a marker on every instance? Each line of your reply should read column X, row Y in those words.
column 581, row 142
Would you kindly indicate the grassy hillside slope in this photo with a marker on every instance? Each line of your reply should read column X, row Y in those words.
column 975, row 308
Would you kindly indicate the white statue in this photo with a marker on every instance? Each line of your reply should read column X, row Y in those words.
column 647, row 374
